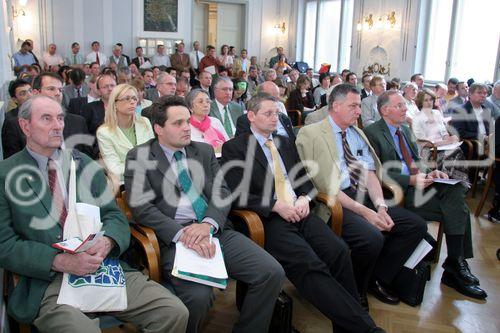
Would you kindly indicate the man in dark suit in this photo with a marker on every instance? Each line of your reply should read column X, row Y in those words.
column 32, row 218
column 94, row 112
column 165, row 86
column 393, row 143
column 184, row 200
column 140, row 59
column 270, row 180
column 222, row 107
column 365, row 81
column 50, row 85
column 77, row 88
column 204, row 82
column 284, row 125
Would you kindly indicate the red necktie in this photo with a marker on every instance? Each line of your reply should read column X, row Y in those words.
column 97, row 58
column 141, row 60
column 57, row 196
column 406, row 155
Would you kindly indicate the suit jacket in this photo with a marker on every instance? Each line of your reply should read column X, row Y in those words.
column 369, row 111
column 76, row 105
column 317, row 143
column 465, row 122
column 364, row 94
column 316, row 116
column 381, row 140
column 180, row 61
column 235, row 111
column 138, row 63
column 69, row 93
column 14, row 140
column 243, row 126
column 238, row 66
column 152, row 94
column 94, row 115
column 28, row 251
column 258, row 175
column 114, row 145
column 153, row 193
column 122, row 61
column 296, row 102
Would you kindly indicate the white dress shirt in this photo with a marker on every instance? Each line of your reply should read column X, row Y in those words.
column 192, row 58
column 223, row 113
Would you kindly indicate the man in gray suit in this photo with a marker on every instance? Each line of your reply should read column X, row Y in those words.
column 77, row 88
column 369, row 111
column 174, row 186
column 222, row 108
column 118, row 58
column 165, row 86
column 317, row 116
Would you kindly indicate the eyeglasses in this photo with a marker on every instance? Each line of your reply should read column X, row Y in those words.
column 127, row 98
column 399, row 106
column 270, row 114
column 25, row 92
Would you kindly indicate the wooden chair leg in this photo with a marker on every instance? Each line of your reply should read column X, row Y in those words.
column 474, row 183
column 439, row 241
column 489, row 181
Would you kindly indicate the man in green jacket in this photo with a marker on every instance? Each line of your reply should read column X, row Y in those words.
column 33, row 210
column 397, row 150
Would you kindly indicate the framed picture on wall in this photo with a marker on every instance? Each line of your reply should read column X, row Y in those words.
column 161, row 15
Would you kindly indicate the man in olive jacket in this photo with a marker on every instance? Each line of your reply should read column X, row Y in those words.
column 33, row 201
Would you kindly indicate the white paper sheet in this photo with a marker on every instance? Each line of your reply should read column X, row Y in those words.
column 447, row 181
column 418, row 254
column 187, row 260
column 451, row 146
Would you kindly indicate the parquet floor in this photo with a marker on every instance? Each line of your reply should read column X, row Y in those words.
column 442, row 310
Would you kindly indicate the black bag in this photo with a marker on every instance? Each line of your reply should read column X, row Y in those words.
column 301, row 66
column 410, row 283
column 282, row 315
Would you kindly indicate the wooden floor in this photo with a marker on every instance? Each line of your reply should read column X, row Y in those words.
column 442, row 310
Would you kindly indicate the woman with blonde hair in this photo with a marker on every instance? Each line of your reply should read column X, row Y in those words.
column 122, row 129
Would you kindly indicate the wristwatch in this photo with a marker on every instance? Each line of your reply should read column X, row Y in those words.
column 382, row 205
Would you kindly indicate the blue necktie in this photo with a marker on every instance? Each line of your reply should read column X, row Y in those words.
column 199, row 204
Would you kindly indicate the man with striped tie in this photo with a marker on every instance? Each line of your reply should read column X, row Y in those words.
column 381, row 238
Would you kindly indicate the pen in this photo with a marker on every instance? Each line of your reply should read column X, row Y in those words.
column 211, row 234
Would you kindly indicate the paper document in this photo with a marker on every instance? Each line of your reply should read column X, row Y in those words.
column 188, row 265
column 451, row 146
column 418, row 254
column 210, row 69
column 447, row 181
column 76, row 245
column 145, row 65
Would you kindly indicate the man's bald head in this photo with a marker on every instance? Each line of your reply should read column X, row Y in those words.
column 270, row 88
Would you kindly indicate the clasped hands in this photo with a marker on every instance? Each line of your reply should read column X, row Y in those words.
column 196, row 236
column 292, row 213
column 83, row 263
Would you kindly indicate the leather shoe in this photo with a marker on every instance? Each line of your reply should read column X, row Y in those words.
column 363, row 300
column 460, row 269
column 471, row 290
column 382, row 293
column 377, row 330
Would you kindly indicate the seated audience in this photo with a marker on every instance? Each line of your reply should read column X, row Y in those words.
column 182, row 86
column 380, row 238
column 160, row 58
column 494, row 98
column 255, row 63
column 226, row 60
column 118, row 58
column 410, row 93
column 274, row 60
column 240, row 88
column 149, row 81
column 165, row 86
column 441, row 92
column 452, row 89
column 75, row 58
column 142, row 103
column 203, row 127
column 181, row 212
column 76, row 104
column 195, row 56
column 28, row 251
column 94, row 112
column 122, row 129
column 76, row 88
column 324, row 80
column 210, row 60
column 369, row 111
column 365, row 81
column 205, row 83
column 315, row 260
column 254, row 79
column 351, row 78
column 301, row 98
column 418, row 78
column 180, row 60
column 310, row 75
column 270, row 75
column 140, row 59
column 242, row 63
column 23, row 59
column 96, row 56
column 222, row 107
column 282, row 64
column 50, row 58
column 292, row 83
column 284, row 125
column 447, row 204
column 429, row 125
column 283, row 95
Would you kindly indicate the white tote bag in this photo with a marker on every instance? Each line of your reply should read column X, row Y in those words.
column 102, row 291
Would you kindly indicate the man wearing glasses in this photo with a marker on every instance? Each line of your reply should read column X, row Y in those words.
column 222, row 107
column 369, row 111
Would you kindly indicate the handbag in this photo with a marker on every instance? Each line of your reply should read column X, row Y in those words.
column 410, row 283
column 102, row 291
column 282, row 315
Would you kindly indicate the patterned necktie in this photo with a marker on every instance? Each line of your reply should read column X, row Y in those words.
column 197, row 202
column 141, row 61
column 354, row 167
column 97, row 58
column 406, row 155
column 227, row 122
column 279, row 176
column 57, row 196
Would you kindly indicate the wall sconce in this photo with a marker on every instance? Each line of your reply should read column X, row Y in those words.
column 280, row 27
column 16, row 12
column 367, row 23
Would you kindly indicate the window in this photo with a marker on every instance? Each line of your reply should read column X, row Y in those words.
column 459, row 42
column 149, row 45
column 323, row 33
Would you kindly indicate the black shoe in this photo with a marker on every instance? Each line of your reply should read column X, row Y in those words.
column 494, row 215
column 363, row 300
column 382, row 293
column 471, row 290
column 461, row 270
column 377, row 330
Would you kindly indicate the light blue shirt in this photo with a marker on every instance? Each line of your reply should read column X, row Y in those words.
column 280, row 129
column 184, row 212
column 23, row 59
column 404, row 168
column 359, row 149
column 267, row 152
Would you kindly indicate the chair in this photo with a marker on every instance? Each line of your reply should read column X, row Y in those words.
column 296, row 117
column 489, row 183
column 470, row 154
column 395, row 192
